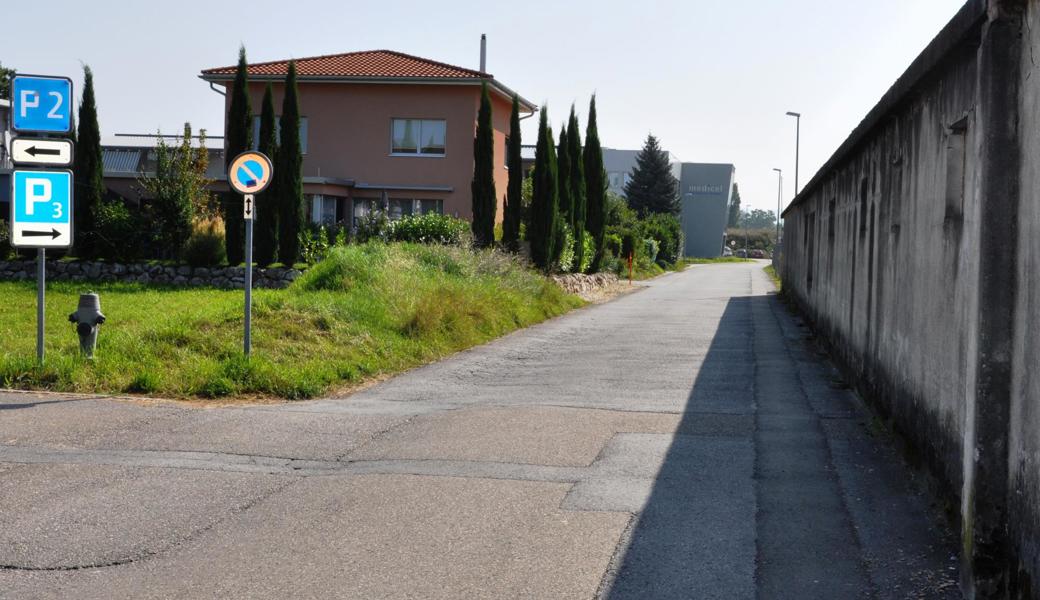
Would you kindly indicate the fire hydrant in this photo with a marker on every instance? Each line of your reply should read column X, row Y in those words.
column 87, row 319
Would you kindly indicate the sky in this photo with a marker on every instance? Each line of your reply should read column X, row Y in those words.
column 712, row 79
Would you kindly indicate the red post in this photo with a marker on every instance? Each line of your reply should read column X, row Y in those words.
column 629, row 268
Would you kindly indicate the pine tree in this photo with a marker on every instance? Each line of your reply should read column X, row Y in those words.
column 89, row 171
column 563, row 170
column 288, row 170
column 576, row 178
column 485, row 201
column 595, row 189
column 734, row 208
column 653, row 188
column 514, row 191
column 266, row 223
column 544, row 215
column 239, row 139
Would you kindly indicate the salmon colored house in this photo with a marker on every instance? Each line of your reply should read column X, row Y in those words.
column 383, row 129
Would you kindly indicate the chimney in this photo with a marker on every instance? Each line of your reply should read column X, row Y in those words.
column 483, row 53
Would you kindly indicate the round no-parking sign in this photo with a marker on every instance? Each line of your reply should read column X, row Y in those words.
column 250, row 173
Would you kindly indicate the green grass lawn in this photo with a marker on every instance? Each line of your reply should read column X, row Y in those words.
column 367, row 310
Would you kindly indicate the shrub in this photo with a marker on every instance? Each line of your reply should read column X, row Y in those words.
column 652, row 248
column 566, row 260
column 628, row 243
column 5, row 240
column 430, row 228
column 612, row 243
column 667, row 230
column 205, row 246
column 374, row 226
column 314, row 244
column 588, row 253
column 344, row 268
column 116, row 232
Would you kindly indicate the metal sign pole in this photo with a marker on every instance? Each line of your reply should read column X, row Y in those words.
column 41, row 283
column 249, row 275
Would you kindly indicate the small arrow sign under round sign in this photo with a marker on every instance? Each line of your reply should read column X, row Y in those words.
column 42, row 152
column 247, row 208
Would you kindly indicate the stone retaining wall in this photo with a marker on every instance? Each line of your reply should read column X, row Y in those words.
column 182, row 275
column 579, row 283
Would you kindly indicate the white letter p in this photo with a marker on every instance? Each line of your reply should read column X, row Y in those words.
column 30, row 99
column 36, row 190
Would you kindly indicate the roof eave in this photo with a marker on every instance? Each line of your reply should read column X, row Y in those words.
column 525, row 104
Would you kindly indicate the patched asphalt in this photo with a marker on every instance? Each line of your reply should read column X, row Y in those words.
column 683, row 441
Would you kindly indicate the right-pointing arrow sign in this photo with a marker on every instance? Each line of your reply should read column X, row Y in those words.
column 53, row 233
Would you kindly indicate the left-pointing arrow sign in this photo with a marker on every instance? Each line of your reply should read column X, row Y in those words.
column 38, row 151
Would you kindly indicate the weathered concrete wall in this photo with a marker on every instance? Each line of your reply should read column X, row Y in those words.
column 914, row 253
column 1024, row 431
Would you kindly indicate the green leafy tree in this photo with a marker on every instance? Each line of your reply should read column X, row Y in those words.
column 757, row 218
column 734, row 208
column 239, row 139
column 653, row 188
column 179, row 192
column 89, row 170
column 576, row 181
column 514, row 190
column 544, row 214
column 266, row 223
column 288, row 170
column 5, row 81
column 595, row 189
column 485, row 201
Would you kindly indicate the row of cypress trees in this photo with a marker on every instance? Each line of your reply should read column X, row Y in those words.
column 279, row 210
column 569, row 188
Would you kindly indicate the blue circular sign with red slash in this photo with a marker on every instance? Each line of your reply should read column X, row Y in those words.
column 250, row 173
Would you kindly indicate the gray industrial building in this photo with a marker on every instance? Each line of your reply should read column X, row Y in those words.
column 705, row 189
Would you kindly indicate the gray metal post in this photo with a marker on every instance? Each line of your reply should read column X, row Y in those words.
column 249, row 281
column 797, row 150
column 41, row 284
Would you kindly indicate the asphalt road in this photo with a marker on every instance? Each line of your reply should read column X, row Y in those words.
column 684, row 441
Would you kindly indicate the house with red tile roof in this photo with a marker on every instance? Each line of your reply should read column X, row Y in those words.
column 384, row 130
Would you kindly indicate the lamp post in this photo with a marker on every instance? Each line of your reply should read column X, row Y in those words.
column 797, row 144
column 779, row 196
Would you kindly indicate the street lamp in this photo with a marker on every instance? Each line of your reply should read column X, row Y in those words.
column 779, row 196
column 797, row 144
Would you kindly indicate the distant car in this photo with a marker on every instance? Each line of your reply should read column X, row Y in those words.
column 740, row 253
column 727, row 252
column 757, row 254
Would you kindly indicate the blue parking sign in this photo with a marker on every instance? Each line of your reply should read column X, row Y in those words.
column 41, row 103
column 41, row 209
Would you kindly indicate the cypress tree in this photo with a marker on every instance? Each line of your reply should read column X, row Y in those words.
column 563, row 169
column 544, row 215
column 595, row 188
column 576, row 178
column 239, row 139
column 266, row 223
column 289, row 172
column 653, row 188
column 89, row 171
column 511, row 220
column 734, row 208
column 485, row 202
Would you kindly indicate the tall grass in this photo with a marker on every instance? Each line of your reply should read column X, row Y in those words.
column 366, row 310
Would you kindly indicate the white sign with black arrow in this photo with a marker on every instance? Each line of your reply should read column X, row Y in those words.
column 41, row 152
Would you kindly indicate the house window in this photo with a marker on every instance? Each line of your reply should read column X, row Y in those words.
column 399, row 208
column 364, row 207
column 324, row 209
column 278, row 133
column 418, row 137
column 431, row 206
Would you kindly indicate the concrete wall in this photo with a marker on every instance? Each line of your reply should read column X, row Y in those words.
column 914, row 253
column 704, row 190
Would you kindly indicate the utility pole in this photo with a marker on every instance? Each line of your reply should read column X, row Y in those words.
column 779, row 196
